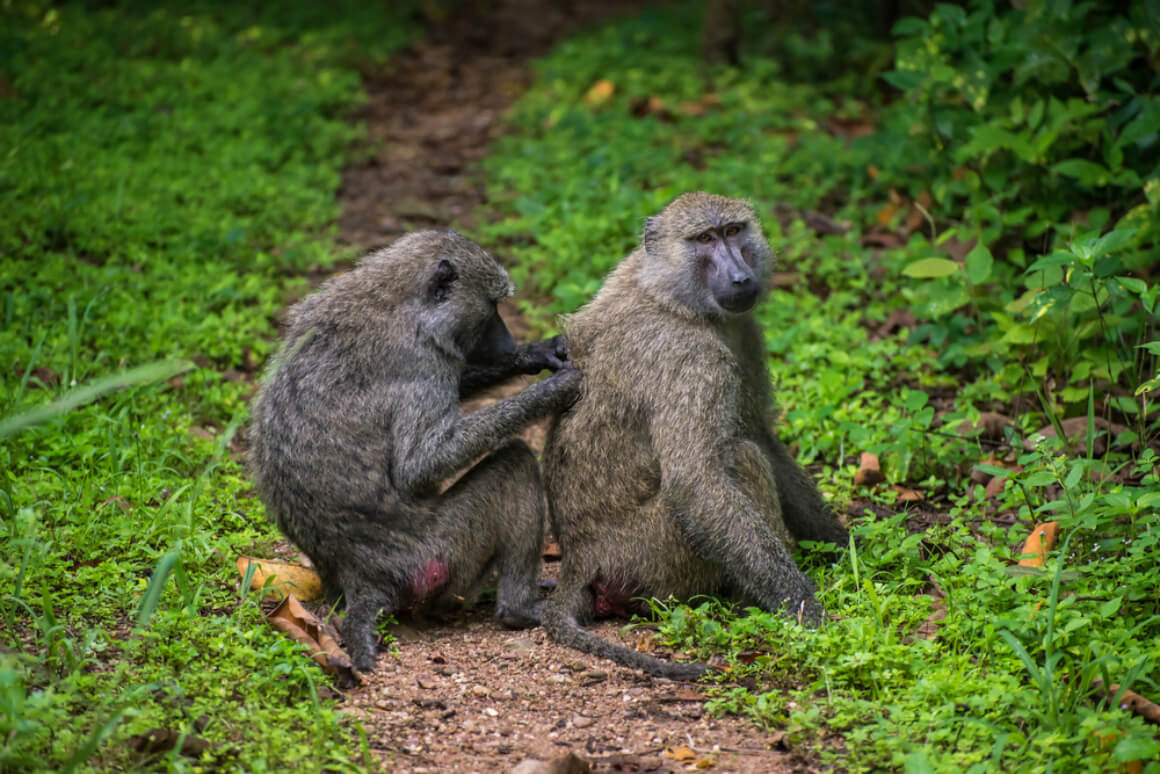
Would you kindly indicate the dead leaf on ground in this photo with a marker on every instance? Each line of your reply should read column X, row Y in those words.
column 1075, row 430
column 904, row 495
column 552, row 551
column 680, row 753
column 1145, row 708
column 600, row 92
column 899, row 319
column 877, row 238
column 1038, row 543
column 302, row 626
column 868, row 473
column 995, row 487
column 990, row 426
column 284, row 578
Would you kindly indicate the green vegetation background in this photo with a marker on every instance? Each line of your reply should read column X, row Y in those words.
column 992, row 171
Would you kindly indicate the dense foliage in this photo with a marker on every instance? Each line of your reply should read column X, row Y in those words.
column 162, row 175
column 989, row 244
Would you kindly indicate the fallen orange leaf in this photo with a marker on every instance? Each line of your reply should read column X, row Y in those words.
column 600, row 92
column 1039, row 542
column 680, row 753
column 302, row 626
column 284, row 578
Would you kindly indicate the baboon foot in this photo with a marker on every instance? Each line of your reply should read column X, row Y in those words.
column 517, row 618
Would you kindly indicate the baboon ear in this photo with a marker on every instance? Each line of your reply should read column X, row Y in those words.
column 442, row 278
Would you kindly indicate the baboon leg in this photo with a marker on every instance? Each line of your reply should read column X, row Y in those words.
column 495, row 514
column 805, row 512
column 363, row 605
column 758, row 480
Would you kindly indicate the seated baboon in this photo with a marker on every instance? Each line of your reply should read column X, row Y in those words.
column 358, row 426
column 665, row 477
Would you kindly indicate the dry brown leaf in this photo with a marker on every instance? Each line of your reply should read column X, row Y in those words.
column 285, row 578
column 885, row 239
column 302, row 626
column 868, row 473
column 552, row 551
column 1145, row 708
column 905, row 495
column 995, row 487
column 600, row 92
column 887, row 213
column 990, row 426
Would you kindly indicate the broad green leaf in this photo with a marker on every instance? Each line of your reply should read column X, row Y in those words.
column 931, row 267
column 1133, row 285
column 979, row 263
column 1083, row 170
column 1112, row 240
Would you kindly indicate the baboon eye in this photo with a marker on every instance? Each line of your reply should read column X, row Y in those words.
column 732, row 230
column 704, row 237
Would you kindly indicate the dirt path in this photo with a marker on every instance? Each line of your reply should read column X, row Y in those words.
column 465, row 695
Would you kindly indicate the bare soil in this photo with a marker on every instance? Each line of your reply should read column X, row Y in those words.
column 463, row 694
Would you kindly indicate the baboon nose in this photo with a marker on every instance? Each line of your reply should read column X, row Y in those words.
column 741, row 280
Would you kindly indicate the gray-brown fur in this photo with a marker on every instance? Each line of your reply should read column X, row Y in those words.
column 358, row 427
column 665, row 477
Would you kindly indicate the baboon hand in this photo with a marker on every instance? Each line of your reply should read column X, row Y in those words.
column 550, row 354
column 566, row 384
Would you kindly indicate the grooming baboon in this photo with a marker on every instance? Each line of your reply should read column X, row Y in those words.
column 665, row 478
column 358, row 426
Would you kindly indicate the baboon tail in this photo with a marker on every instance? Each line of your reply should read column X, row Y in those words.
column 566, row 630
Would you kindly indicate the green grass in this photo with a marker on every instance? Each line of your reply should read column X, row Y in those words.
column 164, row 176
column 1008, row 681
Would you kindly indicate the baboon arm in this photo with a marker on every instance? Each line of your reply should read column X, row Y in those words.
column 805, row 512
column 434, row 445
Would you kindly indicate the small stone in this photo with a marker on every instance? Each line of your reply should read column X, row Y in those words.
column 425, row 682
column 582, row 721
column 480, row 691
column 491, row 712
column 593, row 676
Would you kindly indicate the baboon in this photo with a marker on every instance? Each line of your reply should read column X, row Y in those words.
column 665, row 478
column 358, row 426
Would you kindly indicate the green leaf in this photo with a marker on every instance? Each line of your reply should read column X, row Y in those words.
column 1109, row 608
column 1133, row 285
column 979, row 263
column 1112, row 240
column 904, row 80
column 1039, row 478
column 1136, row 748
column 1085, row 171
column 915, row 399
column 931, row 267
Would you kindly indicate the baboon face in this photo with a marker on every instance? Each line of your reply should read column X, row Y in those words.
column 723, row 268
column 468, row 284
column 709, row 253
